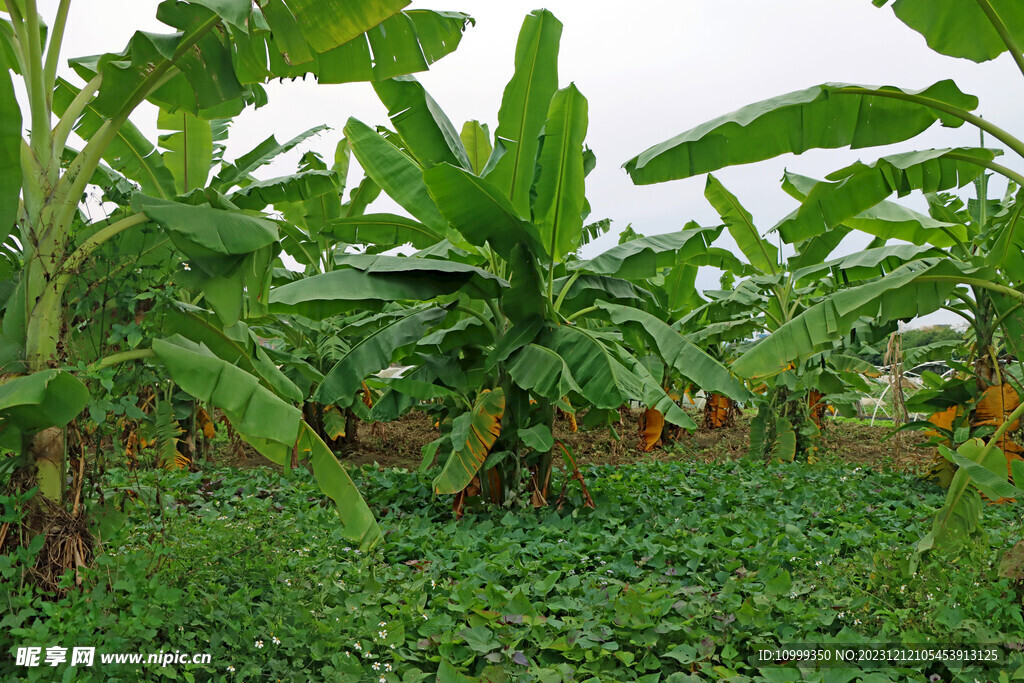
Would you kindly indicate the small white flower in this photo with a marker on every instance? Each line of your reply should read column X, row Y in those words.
column 382, row 624
column 856, row 622
column 433, row 584
column 930, row 597
column 903, row 589
column 259, row 644
column 376, row 666
column 382, row 634
column 817, row 563
column 424, row 617
column 387, row 667
column 392, row 646
column 358, row 646
column 288, row 582
column 231, row 669
column 277, row 641
column 382, row 680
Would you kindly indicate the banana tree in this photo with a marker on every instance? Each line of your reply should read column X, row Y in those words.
column 209, row 68
column 513, row 208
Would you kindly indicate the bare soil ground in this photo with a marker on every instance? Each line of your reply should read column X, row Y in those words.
column 397, row 444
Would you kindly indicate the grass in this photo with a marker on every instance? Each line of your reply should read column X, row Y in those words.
column 683, row 571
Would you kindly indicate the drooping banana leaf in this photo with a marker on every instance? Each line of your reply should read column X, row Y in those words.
column 642, row 258
column 477, row 209
column 273, row 427
column 962, row 28
column 860, row 187
column 428, row 133
column 678, row 352
column 297, row 188
column 473, row 434
column 916, row 288
column 826, row 116
column 542, row 372
column 382, row 229
column 374, row 353
column 262, row 154
column 31, row 403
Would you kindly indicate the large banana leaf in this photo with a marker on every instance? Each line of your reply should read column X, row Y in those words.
column 917, row 288
column 542, row 372
column 189, row 148
column 644, row 257
column 866, row 264
column 478, row 210
column 297, row 188
column 473, row 435
column 961, row 28
column 860, row 187
column 404, row 43
column 396, row 173
column 824, row 116
column 678, row 352
column 586, row 289
column 382, row 229
column 475, row 282
column 204, row 233
column 885, row 220
column 31, row 403
column 762, row 254
column 130, row 152
column 428, row 133
column 604, row 381
column 197, row 59
column 524, row 106
column 236, row 344
column 558, row 209
column 273, row 427
column 373, row 353
column 347, row 289
column 10, row 151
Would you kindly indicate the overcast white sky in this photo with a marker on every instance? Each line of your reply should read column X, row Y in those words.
column 650, row 69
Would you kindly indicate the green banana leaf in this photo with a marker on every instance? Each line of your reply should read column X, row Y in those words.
column 382, row 229
column 189, row 149
column 428, row 133
column 404, row 43
column 373, row 353
column 916, row 288
column 477, row 209
column 644, row 257
column 395, row 172
column 825, row 116
column 761, row 254
column 524, row 107
column 678, row 352
column 860, row 187
column 961, row 28
column 477, row 142
column 297, row 188
column 272, row 426
column 10, row 151
column 866, row 264
column 31, row 403
column 542, row 372
column 558, row 208
column 261, row 155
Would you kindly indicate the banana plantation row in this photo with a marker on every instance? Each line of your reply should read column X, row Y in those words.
column 182, row 289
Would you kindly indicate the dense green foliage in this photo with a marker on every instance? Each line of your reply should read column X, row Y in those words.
column 707, row 564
